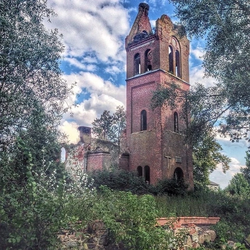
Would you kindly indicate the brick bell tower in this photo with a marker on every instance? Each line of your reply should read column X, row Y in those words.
column 154, row 140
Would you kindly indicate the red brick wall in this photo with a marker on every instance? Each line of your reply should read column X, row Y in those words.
column 98, row 161
column 150, row 147
column 124, row 162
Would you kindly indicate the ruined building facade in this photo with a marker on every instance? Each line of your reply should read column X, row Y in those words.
column 154, row 140
column 153, row 145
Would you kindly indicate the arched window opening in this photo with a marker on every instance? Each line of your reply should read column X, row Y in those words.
column 177, row 64
column 147, row 174
column 174, row 57
column 178, row 174
column 139, row 171
column 143, row 120
column 170, row 59
column 148, row 60
column 137, row 64
column 176, row 122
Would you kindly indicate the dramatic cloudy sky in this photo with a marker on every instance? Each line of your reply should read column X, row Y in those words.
column 94, row 60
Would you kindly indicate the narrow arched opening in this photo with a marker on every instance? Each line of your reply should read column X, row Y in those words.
column 148, row 60
column 171, row 59
column 147, row 174
column 177, row 64
column 143, row 120
column 176, row 122
column 178, row 174
column 137, row 64
column 139, row 171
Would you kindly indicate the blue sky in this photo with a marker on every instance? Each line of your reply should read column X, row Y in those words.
column 94, row 60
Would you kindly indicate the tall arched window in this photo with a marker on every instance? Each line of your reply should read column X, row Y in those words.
column 174, row 57
column 148, row 60
column 137, row 64
column 147, row 174
column 177, row 64
column 143, row 120
column 139, row 171
column 171, row 59
column 176, row 122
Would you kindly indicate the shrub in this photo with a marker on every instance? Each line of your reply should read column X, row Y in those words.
column 122, row 180
column 170, row 187
column 131, row 220
column 31, row 215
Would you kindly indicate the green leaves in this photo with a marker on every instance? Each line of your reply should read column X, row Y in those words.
column 110, row 127
column 131, row 219
column 30, row 73
column 32, row 95
column 239, row 186
column 225, row 27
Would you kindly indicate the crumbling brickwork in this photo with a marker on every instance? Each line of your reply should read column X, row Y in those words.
column 154, row 138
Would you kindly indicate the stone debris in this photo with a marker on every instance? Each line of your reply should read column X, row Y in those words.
column 95, row 237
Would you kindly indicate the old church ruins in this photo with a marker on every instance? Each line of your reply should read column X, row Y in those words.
column 152, row 145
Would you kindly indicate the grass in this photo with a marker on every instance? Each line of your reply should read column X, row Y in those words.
column 181, row 206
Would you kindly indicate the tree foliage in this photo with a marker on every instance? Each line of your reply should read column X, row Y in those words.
column 32, row 96
column 225, row 27
column 246, row 171
column 110, row 126
column 30, row 73
column 239, row 186
column 206, row 156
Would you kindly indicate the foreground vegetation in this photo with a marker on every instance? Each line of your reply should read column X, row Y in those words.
column 32, row 217
column 38, row 198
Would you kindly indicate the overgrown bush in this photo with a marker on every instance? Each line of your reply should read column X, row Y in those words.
column 131, row 219
column 34, row 196
column 122, row 180
column 170, row 187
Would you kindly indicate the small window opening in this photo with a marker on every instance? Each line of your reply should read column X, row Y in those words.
column 147, row 174
column 148, row 60
column 143, row 120
column 178, row 174
column 177, row 64
column 170, row 59
column 137, row 64
column 176, row 122
column 139, row 171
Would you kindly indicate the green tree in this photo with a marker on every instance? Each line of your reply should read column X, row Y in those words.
column 206, row 156
column 225, row 27
column 30, row 73
column 246, row 171
column 110, row 127
column 239, row 186
column 32, row 96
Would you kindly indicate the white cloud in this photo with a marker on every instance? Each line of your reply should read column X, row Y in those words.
column 197, row 75
column 70, row 129
column 103, row 96
column 197, row 72
column 95, row 26
column 113, row 70
column 80, row 65
column 236, row 153
column 198, row 53
column 223, row 179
